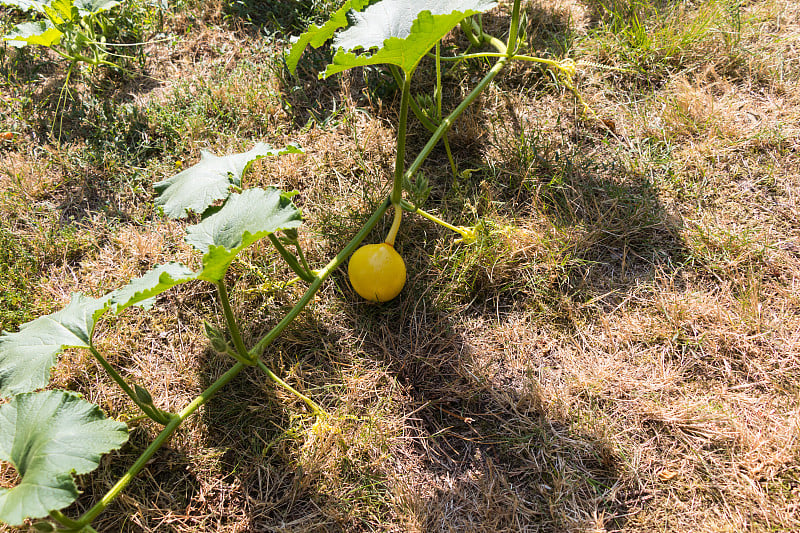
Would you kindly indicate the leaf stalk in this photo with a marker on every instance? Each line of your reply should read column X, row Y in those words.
column 159, row 441
column 233, row 327
column 399, row 165
column 150, row 410
column 301, row 271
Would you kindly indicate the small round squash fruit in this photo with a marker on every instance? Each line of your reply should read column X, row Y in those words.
column 377, row 272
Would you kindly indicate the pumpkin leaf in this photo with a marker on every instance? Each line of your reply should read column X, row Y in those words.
column 49, row 436
column 27, row 356
column 89, row 7
column 143, row 290
column 402, row 32
column 210, row 180
column 316, row 36
column 41, row 33
column 244, row 219
column 25, row 5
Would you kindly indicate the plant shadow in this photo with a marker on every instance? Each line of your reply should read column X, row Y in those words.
column 479, row 448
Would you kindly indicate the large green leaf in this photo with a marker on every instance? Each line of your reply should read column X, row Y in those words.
column 403, row 32
column 142, row 291
column 199, row 186
column 88, row 7
column 60, row 11
column 41, row 33
column 316, row 36
column 27, row 356
column 244, row 219
column 25, row 4
column 49, row 436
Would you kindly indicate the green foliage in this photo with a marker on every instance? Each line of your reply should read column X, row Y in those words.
column 316, row 36
column 388, row 32
column 210, row 180
column 402, row 32
column 41, row 33
column 406, row 39
column 244, row 219
column 49, row 437
column 76, row 29
column 25, row 5
column 142, row 291
column 27, row 356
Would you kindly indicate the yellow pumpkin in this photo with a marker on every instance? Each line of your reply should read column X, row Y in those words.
column 377, row 272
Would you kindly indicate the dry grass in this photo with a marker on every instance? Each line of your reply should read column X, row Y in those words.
column 619, row 351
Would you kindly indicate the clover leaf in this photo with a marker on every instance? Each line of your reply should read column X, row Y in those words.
column 49, row 436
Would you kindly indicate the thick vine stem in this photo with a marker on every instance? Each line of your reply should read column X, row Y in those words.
column 261, row 345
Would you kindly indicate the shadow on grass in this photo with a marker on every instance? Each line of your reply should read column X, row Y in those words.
column 476, row 450
column 289, row 18
column 435, row 421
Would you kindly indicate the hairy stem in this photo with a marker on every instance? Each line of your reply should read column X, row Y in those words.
column 302, row 273
column 466, row 27
column 143, row 459
column 303, row 261
column 153, row 413
column 438, row 91
column 64, row 520
column 414, row 106
column 513, row 32
column 447, row 122
column 261, row 345
column 399, row 164
column 233, row 327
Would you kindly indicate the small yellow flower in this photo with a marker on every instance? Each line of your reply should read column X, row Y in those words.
column 467, row 234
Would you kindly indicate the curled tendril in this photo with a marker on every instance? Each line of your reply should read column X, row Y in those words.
column 568, row 67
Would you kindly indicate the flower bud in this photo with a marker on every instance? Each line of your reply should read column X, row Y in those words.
column 143, row 395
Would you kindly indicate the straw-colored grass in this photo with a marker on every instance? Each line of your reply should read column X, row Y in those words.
column 619, row 350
